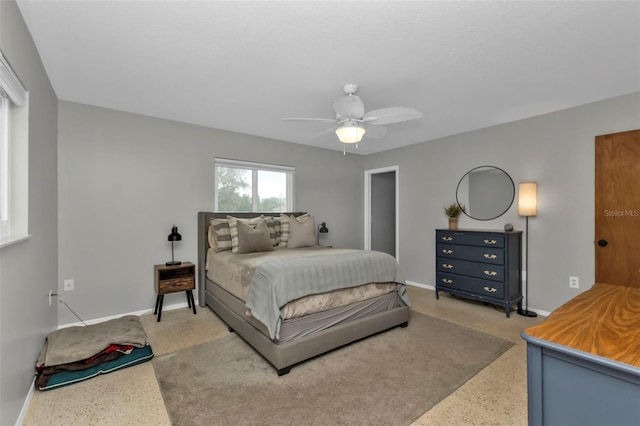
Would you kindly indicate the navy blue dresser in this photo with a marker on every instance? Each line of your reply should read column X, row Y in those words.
column 480, row 264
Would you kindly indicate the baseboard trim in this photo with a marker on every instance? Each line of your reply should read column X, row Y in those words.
column 433, row 288
column 427, row 286
column 137, row 313
column 27, row 402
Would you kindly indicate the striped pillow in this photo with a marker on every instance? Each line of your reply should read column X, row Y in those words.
column 273, row 223
column 222, row 234
column 211, row 237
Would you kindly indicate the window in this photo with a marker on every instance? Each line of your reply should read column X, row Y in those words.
column 14, row 156
column 242, row 186
column 4, row 165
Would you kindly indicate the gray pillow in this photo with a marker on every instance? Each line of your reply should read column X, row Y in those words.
column 251, row 240
column 302, row 234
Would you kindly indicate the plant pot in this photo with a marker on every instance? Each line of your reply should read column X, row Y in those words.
column 453, row 223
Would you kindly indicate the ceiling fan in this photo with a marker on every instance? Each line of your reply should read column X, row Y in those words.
column 352, row 123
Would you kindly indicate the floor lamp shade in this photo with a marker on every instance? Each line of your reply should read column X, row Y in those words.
column 528, row 199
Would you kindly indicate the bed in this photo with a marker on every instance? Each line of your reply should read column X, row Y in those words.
column 294, row 300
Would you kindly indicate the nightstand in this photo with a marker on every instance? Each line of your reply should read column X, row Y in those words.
column 169, row 279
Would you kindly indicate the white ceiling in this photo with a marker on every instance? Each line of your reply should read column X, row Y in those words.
column 244, row 65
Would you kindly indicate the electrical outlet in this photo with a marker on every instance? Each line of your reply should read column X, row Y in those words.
column 69, row 285
column 574, row 282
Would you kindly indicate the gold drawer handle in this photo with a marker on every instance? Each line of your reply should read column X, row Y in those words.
column 490, row 256
column 447, row 238
column 447, row 266
column 491, row 273
column 490, row 289
column 447, row 251
column 490, row 242
column 447, row 281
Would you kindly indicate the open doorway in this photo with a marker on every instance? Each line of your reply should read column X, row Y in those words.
column 381, row 211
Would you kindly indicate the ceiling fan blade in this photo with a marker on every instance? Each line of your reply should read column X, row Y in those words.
column 349, row 106
column 322, row 120
column 330, row 130
column 375, row 132
column 391, row 115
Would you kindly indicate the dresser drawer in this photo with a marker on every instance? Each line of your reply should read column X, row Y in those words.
column 474, row 269
column 472, row 285
column 473, row 239
column 477, row 254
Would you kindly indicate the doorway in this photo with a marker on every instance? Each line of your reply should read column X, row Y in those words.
column 617, row 208
column 381, row 215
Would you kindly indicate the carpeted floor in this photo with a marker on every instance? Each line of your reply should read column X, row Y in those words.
column 388, row 379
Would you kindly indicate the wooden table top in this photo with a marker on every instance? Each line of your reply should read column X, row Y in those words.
column 603, row 321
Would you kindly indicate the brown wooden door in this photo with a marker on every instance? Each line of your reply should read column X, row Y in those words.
column 617, row 192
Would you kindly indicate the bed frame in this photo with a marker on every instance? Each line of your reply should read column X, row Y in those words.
column 284, row 355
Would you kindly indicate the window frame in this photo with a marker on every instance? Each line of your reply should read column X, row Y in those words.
column 255, row 167
column 14, row 164
column 5, row 188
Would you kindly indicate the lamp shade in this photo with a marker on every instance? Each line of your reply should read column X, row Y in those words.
column 323, row 228
column 350, row 133
column 174, row 236
column 528, row 199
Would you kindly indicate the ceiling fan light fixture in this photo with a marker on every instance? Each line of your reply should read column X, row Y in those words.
column 350, row 133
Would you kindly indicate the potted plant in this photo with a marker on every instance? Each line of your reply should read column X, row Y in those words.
column 453, row 210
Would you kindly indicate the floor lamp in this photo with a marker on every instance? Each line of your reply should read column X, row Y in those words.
column 527, row 206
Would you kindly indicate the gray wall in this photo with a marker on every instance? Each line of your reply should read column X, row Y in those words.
column 126, row 178
column 28, row 270
column 556, row 150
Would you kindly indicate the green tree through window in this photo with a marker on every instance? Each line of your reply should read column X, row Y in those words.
column 253, row 187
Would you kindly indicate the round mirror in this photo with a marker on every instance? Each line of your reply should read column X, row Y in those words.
column 486, row 193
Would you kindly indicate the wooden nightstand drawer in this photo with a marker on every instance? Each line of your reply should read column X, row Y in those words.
column 176, row 284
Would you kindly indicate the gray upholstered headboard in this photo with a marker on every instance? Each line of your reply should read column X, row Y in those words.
column 203, row 242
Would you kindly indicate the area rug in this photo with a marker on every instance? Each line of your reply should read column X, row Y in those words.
column 391, row 378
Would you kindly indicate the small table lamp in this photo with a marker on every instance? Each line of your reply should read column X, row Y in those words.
column 322, row 229
column 174, row 236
